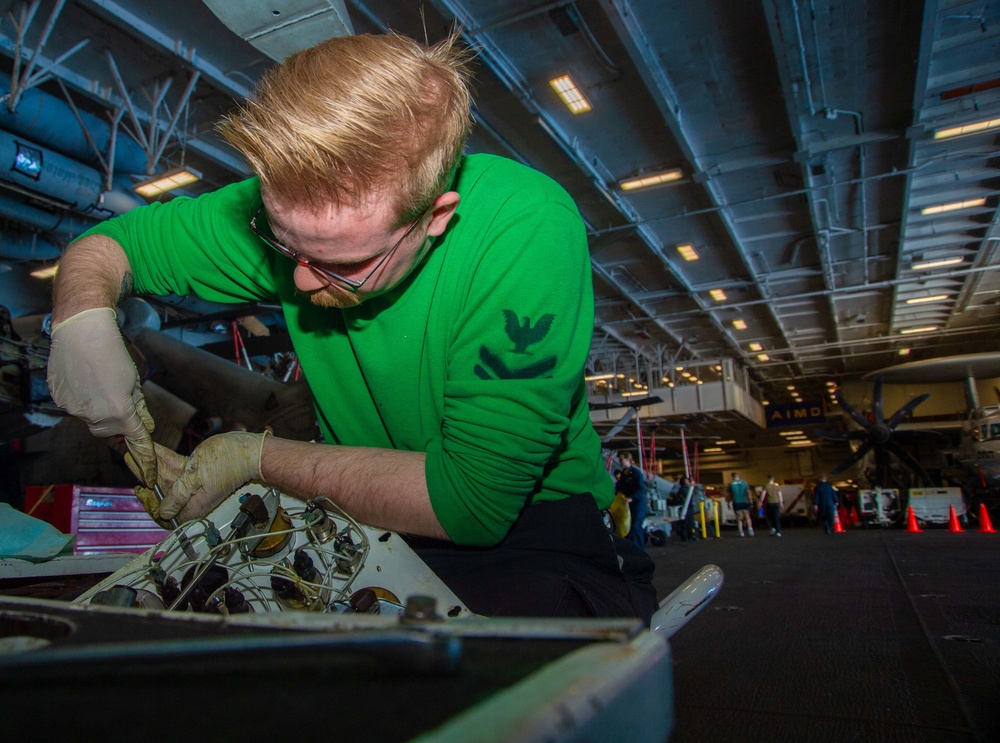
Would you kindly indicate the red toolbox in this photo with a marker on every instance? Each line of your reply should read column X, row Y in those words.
column 103, row 519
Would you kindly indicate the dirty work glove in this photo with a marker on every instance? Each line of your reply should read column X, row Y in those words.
column 92, row 377
column 193, row 486
column 169, row 467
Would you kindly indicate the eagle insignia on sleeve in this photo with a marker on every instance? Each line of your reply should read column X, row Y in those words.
column 522, row 333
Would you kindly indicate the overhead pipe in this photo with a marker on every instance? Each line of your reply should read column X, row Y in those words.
column 59, row 225
column 802, row 58
column 27, row 247
column 35, row 168
column 45, row 118
column 859, row 129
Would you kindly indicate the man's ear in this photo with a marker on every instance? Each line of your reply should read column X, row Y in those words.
column 442, row 210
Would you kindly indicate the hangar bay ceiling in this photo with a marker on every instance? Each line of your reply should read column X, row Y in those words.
column 831, row 202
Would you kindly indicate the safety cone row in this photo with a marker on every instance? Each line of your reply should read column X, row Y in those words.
column 953, row 525
column 985, row 525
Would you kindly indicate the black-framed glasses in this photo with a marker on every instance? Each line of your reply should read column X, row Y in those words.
column 331, row 276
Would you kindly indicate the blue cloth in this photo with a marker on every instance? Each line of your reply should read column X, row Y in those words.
column 632, row 484
column 826, row 500
column 825, row 496
column 28, row 538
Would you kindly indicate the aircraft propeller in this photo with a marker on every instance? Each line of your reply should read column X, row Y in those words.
column 879, row 435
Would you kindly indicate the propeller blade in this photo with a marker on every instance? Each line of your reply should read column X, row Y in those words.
column 858, row 418
column 905, row 411
column 625, row 420
column 840, row 435
column 832, row 435
column 910, row 461
column 854, row 458
column 912, row 434
column 877, row 400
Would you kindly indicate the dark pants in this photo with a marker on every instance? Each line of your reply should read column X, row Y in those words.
column 773, row 513
column 685, row 525
column 637, row 510
column 558, row 560
column 826, row 515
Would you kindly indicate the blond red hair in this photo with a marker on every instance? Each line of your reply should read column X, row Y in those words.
column 356, row 117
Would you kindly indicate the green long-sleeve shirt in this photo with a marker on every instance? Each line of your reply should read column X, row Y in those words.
column 476, row 358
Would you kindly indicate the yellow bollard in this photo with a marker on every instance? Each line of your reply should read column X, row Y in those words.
column 704, row 531
column 715, row 504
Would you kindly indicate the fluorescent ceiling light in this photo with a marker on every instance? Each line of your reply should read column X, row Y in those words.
column 937, row 263
column 961, row 131
column 790, row 433
column 739, row 324
column 687, row 252
column 718, row 295
column 570, row 94
column 807, row 442
column 174, row 178
column 595, row 377
column 712, row 450
column 46, row 273
column 910, row 331
column 653, row 179
column 633, row 394
column 921, row 300
column 953, row 206
column 763, row 357
column 726, row 442
column 790, row 387
column 756, row 347
column 903, row 352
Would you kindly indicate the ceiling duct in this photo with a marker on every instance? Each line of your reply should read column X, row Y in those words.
column 281, row 28
column 45, row 118
column 27, row 247
column 32, row 167
column 58, row 224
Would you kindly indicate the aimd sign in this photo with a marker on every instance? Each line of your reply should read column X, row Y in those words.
column 794, row 414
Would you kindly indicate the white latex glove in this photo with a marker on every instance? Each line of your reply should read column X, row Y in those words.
column 170, row 465
column 92, row 377
column 194, row 486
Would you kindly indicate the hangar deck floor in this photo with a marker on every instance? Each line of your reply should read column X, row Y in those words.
column 872, row 635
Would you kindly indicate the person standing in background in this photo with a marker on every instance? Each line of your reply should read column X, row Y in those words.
column 632, row 484
column 739, row 494
column 825, row 501
column 773, row 503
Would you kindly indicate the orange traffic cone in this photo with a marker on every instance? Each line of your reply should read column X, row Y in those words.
column 985, row 525
column 855, row 518
column 911, row 521
column 953, row 524
column 838, row 528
